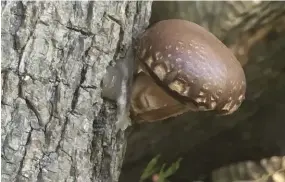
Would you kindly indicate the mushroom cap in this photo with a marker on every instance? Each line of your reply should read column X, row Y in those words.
column 193, row 66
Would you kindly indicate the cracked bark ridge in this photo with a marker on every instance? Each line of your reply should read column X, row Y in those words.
column 55, row 125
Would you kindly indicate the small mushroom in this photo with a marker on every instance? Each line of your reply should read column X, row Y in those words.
column 184, row 67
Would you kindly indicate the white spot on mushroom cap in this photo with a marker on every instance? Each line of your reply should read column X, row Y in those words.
column 213, row 105
column 186, row 91
column 149, row 61
column 168, row 46
column 205, row 86
column 200, row 99
column 235, row 107
column 201, row 93
column 169, row 55
column 160, row 72
column 219, row 91
column 227, row 106
column 158, row 56
column 167, row 65
column 241, row 97
column 176, row 86
column 178, row 59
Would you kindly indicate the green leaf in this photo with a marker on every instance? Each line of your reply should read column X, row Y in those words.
column 173, row 168
column 150, row 168
column 161, row 174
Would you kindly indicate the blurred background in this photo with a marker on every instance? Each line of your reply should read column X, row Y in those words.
column 255, row 32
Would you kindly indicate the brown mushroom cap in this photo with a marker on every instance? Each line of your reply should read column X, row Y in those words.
column 193, row 66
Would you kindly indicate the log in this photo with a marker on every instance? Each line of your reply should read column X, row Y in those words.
column 55, row 125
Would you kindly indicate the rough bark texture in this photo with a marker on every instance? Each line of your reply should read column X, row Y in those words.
column 55, row 125
column 266, row 170
column 256, row 33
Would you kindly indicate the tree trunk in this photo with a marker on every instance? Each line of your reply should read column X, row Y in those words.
column 256, row 33
column 55, row 125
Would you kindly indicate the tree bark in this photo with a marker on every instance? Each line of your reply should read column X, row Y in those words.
column 55, row 125
column 255, row 31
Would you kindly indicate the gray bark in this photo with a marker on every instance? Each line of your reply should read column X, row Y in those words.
column 255, row 31
column 55, row 125
column 265, row 170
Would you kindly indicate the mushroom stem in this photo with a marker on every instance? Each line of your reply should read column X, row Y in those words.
column 117, row 85
column 147, row 106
